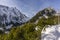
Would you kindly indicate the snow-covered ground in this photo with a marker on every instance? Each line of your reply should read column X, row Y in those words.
column 51, row 33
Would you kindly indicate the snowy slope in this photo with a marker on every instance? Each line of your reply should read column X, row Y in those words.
column 51, row 33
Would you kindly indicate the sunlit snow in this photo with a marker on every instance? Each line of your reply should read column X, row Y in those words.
column 51, row 33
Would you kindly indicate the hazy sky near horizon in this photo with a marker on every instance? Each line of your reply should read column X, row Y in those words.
column 31, row 7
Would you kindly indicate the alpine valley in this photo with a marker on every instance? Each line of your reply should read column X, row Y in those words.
column 16, row 26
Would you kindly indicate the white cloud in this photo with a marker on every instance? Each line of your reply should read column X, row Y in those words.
column 9, row 3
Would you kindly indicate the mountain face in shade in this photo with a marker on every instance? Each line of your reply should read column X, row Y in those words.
column 10, row 16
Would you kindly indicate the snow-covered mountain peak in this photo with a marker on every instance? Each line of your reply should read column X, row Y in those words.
column 10, row 15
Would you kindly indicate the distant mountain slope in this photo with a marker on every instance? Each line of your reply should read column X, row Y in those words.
column 10, row 16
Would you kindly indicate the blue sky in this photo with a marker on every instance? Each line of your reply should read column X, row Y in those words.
column 31, row 7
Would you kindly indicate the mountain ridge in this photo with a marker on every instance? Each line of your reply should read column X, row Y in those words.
column 45, row 12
